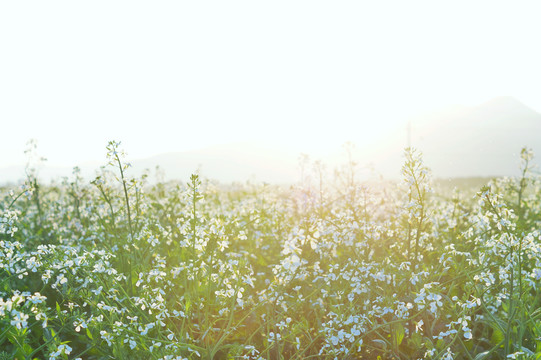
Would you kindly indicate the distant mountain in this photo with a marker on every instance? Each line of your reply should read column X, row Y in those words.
column 238, row 162
column 227, row 163
column 483, row 140
column 456, row 141
column 462, row 141
column 47, row 173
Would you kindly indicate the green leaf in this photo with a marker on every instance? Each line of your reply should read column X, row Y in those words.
column 482, row 355
column 89, row 334
column 27, row 349
column 497, row 336
column 399, row 333
column 48, row 334
column 381, row 342
column 416, row 339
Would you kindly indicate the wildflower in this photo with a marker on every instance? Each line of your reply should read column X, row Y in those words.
column 61, row 350
column 19, row 319
column 515, row 355
column 435, row 302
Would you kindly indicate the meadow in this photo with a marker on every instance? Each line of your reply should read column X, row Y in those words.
column 331, row 268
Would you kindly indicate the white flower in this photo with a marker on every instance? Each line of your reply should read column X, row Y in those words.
column 515, row 355
column 64, row 349
column 435, row 302
column 19, row 319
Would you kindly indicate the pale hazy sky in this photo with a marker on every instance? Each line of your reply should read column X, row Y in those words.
column 176, row 75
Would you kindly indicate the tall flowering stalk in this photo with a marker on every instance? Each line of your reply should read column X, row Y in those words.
column 418, row 187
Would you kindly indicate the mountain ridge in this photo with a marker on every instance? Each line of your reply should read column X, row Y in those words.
column 457, row 141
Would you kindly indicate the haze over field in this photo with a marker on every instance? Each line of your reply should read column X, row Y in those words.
column 241, row 88
column 462, row 141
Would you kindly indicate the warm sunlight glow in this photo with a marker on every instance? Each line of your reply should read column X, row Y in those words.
column 301, row 76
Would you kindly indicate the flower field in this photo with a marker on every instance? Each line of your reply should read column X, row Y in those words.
column 332, row 268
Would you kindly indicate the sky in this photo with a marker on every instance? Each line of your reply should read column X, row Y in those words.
column 166, row 76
